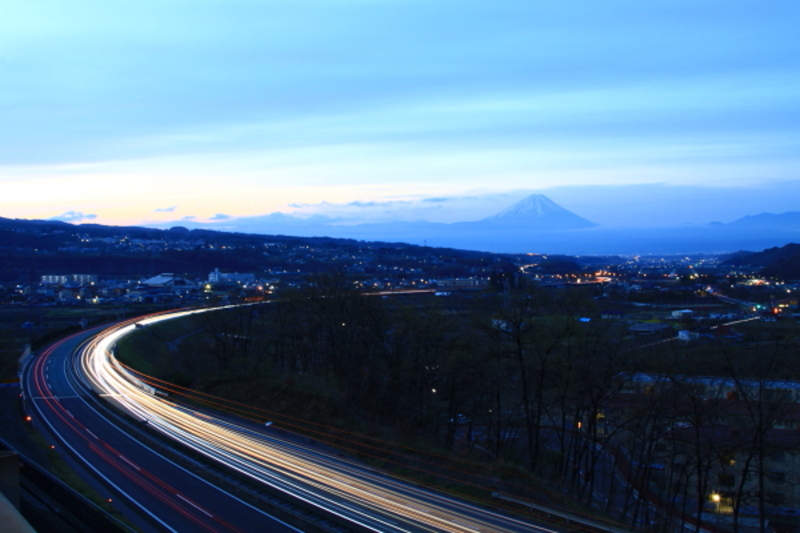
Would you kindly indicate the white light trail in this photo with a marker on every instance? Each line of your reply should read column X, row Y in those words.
column 340, row 486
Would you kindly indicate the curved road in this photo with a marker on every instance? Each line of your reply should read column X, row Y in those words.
column 364, row 498
column 164, row 496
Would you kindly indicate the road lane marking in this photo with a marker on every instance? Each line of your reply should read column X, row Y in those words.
column 56, row 398
column 130, row 463
column 195, row 506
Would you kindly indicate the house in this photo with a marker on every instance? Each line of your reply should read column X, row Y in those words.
column 169, row 283
column 162, row 280
column 650, row 328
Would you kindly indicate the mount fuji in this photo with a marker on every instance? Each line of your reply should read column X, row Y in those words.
column 538, row 212
column 537, row 224
column 534, row 222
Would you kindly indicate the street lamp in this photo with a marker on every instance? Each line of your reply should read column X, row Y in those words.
column 716, row 498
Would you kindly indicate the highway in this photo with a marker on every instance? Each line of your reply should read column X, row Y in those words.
column 345, row 490
column 161, row 495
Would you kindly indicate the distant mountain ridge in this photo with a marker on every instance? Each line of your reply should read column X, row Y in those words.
column 783, row 262
column 537, row 224
column 783, row 221
column 533, row 225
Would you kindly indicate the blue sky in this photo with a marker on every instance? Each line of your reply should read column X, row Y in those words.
column 145, row 112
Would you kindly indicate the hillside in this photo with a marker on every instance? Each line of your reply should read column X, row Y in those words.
column 32, row 248
column 778, row 262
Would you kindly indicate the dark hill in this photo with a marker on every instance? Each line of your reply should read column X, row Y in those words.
column 32, row 248
column 778, row 262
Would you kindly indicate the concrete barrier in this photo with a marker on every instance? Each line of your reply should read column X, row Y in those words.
column 11, row 520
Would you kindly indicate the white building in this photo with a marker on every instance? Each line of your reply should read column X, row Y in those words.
column 219, row 277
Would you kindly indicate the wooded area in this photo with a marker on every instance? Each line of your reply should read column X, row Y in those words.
column 518, row 380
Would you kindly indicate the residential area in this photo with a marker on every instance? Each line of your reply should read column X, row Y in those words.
column 697, row 408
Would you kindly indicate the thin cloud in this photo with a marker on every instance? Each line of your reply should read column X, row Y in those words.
column 220, row 216
column 359, row 203
column 433, row 209
column 170, row 209
column 73, row 216
column 437, row 200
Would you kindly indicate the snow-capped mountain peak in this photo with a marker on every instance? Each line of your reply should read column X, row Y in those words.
column 539, row 211
column 535, row 205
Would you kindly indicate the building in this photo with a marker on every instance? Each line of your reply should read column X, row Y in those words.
column 650, row 328
column 221, row 277
column 730, row 443
column 462, row 283
column 64, row 279
column 169, row 283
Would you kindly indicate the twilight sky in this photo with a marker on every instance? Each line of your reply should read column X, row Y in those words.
column 625, row 112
